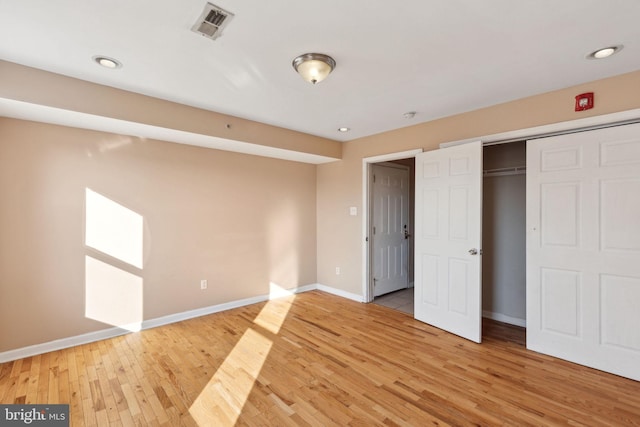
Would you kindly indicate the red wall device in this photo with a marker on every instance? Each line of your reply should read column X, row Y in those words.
column 584, row 101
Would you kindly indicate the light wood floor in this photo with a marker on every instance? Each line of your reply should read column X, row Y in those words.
column 320, row 360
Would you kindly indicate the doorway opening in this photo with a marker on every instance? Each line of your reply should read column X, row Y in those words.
column 388, row 225
column 391, row 219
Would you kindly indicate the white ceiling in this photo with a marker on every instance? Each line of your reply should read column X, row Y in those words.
column 435, row 57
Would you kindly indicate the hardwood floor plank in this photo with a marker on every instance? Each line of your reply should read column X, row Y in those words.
column 43, row 378
column 75, row 402
column 331, row 362
column 22, row 384
column 89, row 413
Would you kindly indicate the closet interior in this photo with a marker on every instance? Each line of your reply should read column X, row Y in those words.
column 503, row 233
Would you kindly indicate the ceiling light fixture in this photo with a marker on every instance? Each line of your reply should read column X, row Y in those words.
column 343, row 129
column 107, row 62
column 604, row 52
column 314, row 67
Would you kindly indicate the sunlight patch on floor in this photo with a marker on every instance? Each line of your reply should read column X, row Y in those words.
column 273, row 314
column 221, row 401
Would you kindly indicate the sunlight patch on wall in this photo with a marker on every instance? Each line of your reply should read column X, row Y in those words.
column 113, row 229
column 276, row 291
column 112, row 295
column 115, row 142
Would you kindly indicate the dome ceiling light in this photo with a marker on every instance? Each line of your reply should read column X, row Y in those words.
column 314, row 67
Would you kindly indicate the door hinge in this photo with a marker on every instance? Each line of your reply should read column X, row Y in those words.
column 374, row 178
column 374, row 230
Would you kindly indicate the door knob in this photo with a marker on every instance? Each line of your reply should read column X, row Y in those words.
column 473, row 251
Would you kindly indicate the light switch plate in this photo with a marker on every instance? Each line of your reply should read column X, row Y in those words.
column 353, row 211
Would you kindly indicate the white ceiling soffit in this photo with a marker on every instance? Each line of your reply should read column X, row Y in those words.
column 434, row 57
column 39, row 113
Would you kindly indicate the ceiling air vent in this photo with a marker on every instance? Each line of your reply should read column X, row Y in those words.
column 212, row 21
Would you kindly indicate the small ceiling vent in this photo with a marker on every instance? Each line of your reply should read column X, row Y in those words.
column 212, row 21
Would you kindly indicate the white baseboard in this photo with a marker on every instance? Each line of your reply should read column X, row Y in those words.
column 63, row 343
column 505, row 319
column 185, row 315
column 340, row 293
column 60, row 344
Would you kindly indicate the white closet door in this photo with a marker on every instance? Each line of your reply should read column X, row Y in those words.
column 448, row 291
column 583, row 248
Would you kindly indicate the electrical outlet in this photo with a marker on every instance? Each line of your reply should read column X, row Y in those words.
column 337, row 271
column 203, row 284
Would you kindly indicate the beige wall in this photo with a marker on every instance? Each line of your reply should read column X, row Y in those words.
column 340, row 183
column 238, row 221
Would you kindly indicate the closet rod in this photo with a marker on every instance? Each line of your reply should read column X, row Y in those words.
column 516, row 170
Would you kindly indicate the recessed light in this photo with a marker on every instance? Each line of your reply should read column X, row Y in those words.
column 605, row 52
column 107, row 62
column 343, row 129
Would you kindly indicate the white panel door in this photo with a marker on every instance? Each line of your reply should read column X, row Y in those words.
column 390, row 221
column 448, row 228
column 583, row 248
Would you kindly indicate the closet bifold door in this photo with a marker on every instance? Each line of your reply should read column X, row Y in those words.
column 583, row 248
